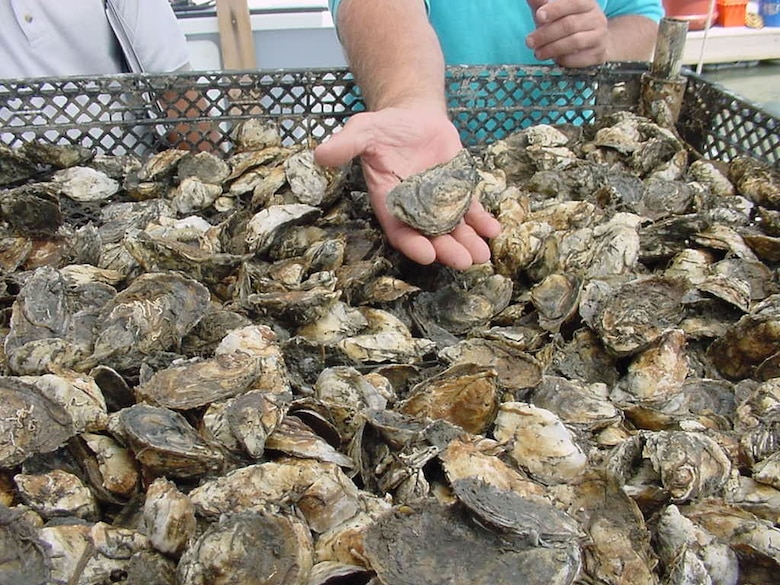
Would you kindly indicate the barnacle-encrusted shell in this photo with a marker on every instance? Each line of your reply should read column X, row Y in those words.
column 435, row 200
column 30, row 422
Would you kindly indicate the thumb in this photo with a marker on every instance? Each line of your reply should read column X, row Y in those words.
column 345, row 145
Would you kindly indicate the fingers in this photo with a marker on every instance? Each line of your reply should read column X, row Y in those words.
column 535, row 5
column 343, row 146
column 450, row 252
column 581, row 58
column 484, row 224
column 406, row 240
column 571, row 32
column 551, row 10
column 578, row 50
column 475, row 246
column 459, row 249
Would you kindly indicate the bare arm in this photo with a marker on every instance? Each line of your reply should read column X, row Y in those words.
column 393, row 52
column 397, row 61
column 631, row 38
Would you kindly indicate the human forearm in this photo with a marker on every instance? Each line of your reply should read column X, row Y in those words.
column 393, row 52
column 630, row 38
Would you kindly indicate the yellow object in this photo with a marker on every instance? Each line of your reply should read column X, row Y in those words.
column 754, row 20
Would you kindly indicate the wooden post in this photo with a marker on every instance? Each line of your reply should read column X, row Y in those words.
column 235, row 34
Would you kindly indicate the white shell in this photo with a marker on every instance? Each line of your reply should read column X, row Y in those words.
column 539, row 442
column 85, row 184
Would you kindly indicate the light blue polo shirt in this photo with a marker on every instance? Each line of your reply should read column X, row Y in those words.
column 493, row 32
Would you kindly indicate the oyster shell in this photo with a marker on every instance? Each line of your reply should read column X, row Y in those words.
column 435, row 200
column 465, row 395
column 169, row 517
column 323, row 494
column 200, row 382
column 538, row 441
column 32, row 209
column 260, row 548
column 26, row 560
column 691, row 555
column 164, row 442
column 430, row 543
column 57, row 493
column 532, row 521
column 30, row 422
column 15, row 167
column 632, row 315
column 152, row 314
column 85, row 184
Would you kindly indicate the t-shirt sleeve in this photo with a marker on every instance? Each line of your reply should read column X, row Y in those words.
column 652, row 9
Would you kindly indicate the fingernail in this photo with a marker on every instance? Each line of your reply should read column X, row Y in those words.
column 541, row 16
column 529, row 42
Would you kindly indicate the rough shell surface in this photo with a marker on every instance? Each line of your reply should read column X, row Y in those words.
column 435, row 200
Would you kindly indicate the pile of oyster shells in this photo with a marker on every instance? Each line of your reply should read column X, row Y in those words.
column 215, row 370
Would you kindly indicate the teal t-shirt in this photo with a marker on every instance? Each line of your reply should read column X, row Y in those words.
column 493, row 32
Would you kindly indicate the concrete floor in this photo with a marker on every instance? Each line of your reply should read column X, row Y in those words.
column 757, row 82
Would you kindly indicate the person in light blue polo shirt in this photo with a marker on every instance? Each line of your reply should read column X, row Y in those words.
column 398, row 49
column 44, row 38
column 40, row 38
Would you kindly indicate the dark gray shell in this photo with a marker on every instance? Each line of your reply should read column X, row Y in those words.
column 32, row 210
column 25, row 559
column 533, row 521
column 30, row 422
column 15, row 167
column 428, row 543
column 164, row 442
column 153, row 314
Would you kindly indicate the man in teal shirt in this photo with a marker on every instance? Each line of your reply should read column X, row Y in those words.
column 398, row 49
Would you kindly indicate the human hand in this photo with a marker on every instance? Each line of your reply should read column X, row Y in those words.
column 573, row 33
column 394, row 143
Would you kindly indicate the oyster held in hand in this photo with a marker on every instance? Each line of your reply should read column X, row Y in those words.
column 435, row 200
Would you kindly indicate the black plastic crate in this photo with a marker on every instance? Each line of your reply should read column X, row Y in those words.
column 122, row 113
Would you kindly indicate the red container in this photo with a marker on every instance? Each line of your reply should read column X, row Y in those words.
column 732, row 12
column 694, row 11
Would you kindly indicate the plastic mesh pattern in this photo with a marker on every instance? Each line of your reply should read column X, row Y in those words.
column 141, row 113
column 720, row 124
